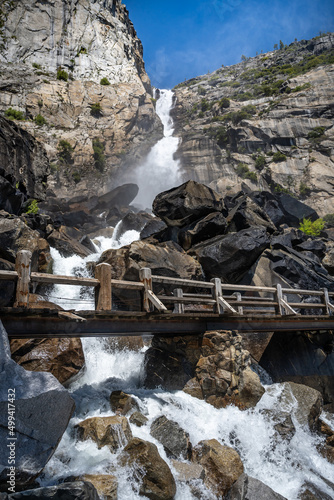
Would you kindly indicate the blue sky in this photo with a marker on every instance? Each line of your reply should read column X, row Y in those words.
column 187, row 38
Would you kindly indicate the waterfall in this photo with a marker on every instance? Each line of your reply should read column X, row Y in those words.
column 160, row 171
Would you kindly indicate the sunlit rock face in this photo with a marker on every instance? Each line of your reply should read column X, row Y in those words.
column 233, row 121
column 53, row 57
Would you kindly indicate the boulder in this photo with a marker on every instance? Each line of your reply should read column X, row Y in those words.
column 170, row 361
column 120, row 196
column 289, row 237
column 304, row 359
column 294, row 210
column 157, row 481
column 164, row 259
column 132, row 222
column 138, row 419
column 313, row 245
column 328, row 260
column 222, row 465
column 11, row 199
column 67, row 240
column 311, row 491
column 246, row 213
column 132, row 343
column 201, row 230
column 187, row 472
column 42, row 412
column 250, row 388
column 113, row 432
column 122, row 403
column 229, row 257
column 270, row 205
column 64, row 358
column 151, row 227
column 249, row 488
column 78, row 490
column 309, row 403
column 105, row 485
column 174, row 439
column 186, row 203
column 15, row 235
column 327, row 449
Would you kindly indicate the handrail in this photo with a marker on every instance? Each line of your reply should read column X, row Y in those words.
column 233, row 301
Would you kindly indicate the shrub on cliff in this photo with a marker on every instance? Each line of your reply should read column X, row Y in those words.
column 278, row 156
column 40, row 120
column 104, row 81
column 96, row 109
column 312, row 228
column 13, row 114
column 62, row 75
column 65, row 151
column 99, row 158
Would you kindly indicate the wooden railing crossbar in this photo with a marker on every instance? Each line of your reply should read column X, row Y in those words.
column 223, row 297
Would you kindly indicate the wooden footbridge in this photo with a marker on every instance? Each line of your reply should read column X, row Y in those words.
column 188, row 306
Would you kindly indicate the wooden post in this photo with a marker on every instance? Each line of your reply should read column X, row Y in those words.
column 145, row 277
column 279, row 296
column 178, row 306
column 240, row 308
column 103, row 300
column 22, row 267
column 329, row 308
column 216, row 293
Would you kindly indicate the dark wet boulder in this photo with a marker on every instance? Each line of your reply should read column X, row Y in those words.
column 120, row 196
column 42, row 412
column 270, row 205
column 247, row 214
column 132, row 222
column 249, row 488
column 210, row 226
column 186, row 203
column 289, row 237
column 229, row 257
column 313, row 245
column 78, row 490
column 151, row 227
column 11, row 199
column 15, row 235
column 174, row 439
column 122, row 403
column 67, row 240
column 295, row 211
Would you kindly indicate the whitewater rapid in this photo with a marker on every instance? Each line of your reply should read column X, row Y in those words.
column 283, row 466
column 160, row 170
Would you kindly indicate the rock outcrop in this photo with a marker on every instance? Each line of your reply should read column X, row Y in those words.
column 249, row 488
column 40, row 411
column 83, row 90
column 266, row 123
column 113, row 432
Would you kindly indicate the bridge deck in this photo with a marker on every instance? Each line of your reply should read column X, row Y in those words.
column 43, row 323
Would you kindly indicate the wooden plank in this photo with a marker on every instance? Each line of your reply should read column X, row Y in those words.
column 181, row 282
column 185, row 300
column 128, row 285
column 248, row 288
column 103, row 300
column 70, row 316
column 155, row 301
column 238, row 296
column 226, row 305
column 288, row 307
column 307, row 305
column 8, row 275
column 22, row 267
column 299, row 291
column 63, row 280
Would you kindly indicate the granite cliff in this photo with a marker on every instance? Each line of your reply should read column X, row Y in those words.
column 266, row 122
column 73, row 76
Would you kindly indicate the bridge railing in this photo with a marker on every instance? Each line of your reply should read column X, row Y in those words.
column 220, row 297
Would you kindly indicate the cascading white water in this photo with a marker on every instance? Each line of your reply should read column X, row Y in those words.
column 160, row 171
column 282, row 465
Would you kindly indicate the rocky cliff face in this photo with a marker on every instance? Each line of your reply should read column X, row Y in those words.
column 266, row 122
column 53, row 57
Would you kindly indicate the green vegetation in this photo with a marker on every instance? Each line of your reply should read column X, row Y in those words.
column 104, row 81
column 76, row 177
column 96, row 109
column 245, row 113
column 329, row 219
column 83, row 50
column 205, row 105
column 316, row 133
column 260, row 162
column 37, row 66
column 224, row 103
column 32, row 207
column 65, row 152
column 220, row 134
column 99, row 157
column 13, row 114
column 244, row 172
column 62, row 75
column 201, row 90
column 301, row 87
column 278, row 156
column 312, row 228
column 304, row 190
column 40, row 120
